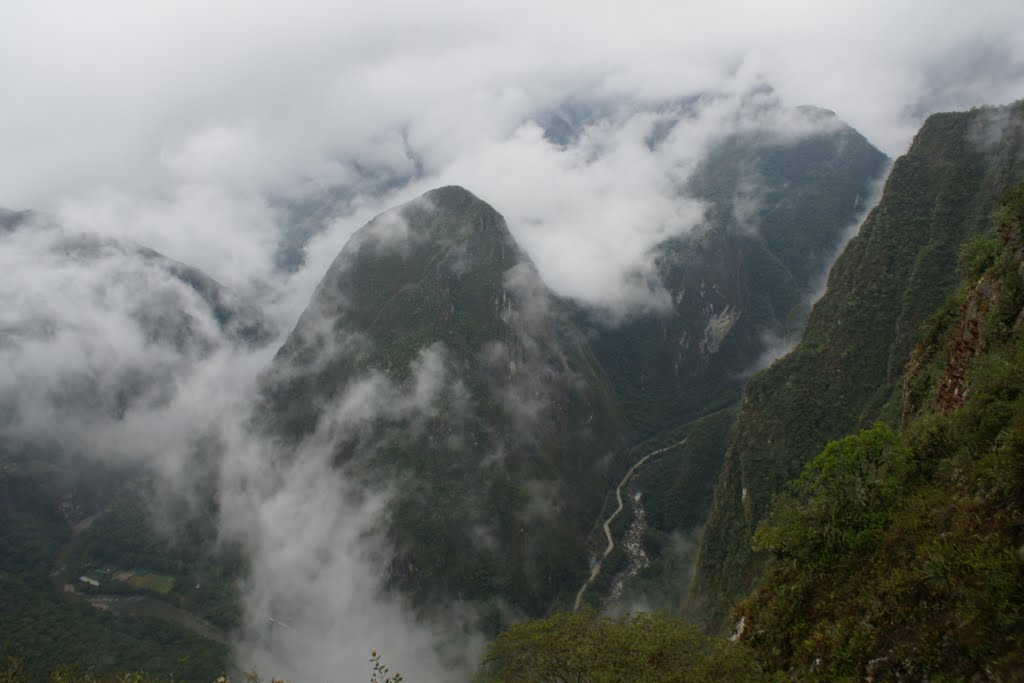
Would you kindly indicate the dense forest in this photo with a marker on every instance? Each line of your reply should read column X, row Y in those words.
column 895, row 553
column 45, row 627
column 845, row 373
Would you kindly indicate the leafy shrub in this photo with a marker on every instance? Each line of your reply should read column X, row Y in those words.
column 585, row 646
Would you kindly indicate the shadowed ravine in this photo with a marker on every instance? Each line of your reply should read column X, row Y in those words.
column 611, row 518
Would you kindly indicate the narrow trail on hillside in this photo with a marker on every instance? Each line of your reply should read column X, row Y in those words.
column 596, row 570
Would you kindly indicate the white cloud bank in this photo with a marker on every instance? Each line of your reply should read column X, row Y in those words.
column 173, row 122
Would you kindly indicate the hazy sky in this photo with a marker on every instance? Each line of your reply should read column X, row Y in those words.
column 171, row 122
column 142, row 95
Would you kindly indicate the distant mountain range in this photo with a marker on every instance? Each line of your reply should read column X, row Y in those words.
column 135, row 320
column 526, row 404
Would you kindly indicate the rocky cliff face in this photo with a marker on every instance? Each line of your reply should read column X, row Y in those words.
column 847, row 368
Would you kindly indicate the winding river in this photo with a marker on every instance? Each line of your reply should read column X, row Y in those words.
column 127, row 605
column 596, row 569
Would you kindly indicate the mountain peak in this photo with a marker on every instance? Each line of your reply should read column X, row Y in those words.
column 445, row 218
column 438, row 259
column 472, row 391
column 453, row 196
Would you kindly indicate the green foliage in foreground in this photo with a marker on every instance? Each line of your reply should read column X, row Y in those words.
column 845, row 373
column 841, row 501
column 900, row 555
column 381, row 673
column 13, row 671
column 584, row 646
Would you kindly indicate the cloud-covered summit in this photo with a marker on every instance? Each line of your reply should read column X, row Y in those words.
column 178, row 125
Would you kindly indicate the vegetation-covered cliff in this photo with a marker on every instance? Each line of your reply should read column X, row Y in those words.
column 433, row 359
column 776, row 208
column 846, row 371
column 898, row 553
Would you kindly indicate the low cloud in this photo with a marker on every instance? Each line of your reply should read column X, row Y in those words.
column 187, row 126
column 89, row 367
column 778, row 343
column 222, row 136
column 314, row 602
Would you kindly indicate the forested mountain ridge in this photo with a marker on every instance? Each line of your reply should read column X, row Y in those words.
column 776, row 208
column 777, row 203
column 433, row 361
column 99, row 335
column 845, row 373
column 898, row 553
column 437, row 316
column 476, row 397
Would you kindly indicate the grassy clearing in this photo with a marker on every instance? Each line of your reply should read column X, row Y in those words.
column 157, row 583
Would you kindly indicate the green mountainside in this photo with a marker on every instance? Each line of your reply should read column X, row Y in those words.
column 47, row 502
column 898, row 554
column 845, row 373
column 867, row 521
column 776, row 210
column 777, row 207
column 160, row 600
column 508, row 436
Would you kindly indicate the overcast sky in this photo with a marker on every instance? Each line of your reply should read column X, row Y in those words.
column 139, row 95
column 171, row 122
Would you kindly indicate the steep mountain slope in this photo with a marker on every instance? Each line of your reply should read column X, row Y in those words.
column 898, row 554
column 777, row 204
column 433, row 357
column 845, row 372
column 776, row 210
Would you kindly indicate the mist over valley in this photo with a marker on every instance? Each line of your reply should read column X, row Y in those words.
column 472, row 341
